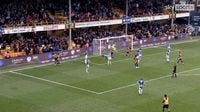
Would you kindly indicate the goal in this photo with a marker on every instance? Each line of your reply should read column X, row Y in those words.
column 104, row 45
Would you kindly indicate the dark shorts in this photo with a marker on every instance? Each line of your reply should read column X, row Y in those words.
column 56, row 59
column 166, row 106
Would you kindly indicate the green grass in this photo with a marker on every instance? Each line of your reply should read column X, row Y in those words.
column 67, row 88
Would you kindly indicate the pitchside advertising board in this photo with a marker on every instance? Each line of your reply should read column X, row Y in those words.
column 43, row 58
column 126, row 20
column 195, row 19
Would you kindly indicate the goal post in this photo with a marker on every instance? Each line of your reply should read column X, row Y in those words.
column 120, row 43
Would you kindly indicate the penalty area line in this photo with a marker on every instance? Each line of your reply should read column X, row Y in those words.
column 53, row 82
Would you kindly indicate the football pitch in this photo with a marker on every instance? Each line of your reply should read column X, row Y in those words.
column 106, row 88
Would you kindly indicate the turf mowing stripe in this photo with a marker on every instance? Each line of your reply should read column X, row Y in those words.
column 54, row 82
column 147, row 81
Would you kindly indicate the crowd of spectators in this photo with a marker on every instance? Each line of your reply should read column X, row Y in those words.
column 140, row 31
column 147, row 7
column 31, row 12
column 42, row 42
column 31, row 43
column 23, row 12
column 82, row 36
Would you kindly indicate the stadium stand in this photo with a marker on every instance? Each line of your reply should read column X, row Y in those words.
column 29, row 12
column 34, row 12
column 41, row 42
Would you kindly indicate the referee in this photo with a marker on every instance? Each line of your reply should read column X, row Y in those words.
column 165, row 103
column 174, row 71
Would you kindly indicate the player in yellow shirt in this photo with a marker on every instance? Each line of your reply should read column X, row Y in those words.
column 180, row 57
column 136, row 61
column 165, row 102
column 128, row 51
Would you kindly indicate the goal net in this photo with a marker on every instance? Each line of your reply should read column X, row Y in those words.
column 119, row 43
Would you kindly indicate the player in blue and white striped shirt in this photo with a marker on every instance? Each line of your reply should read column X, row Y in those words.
column 86, row 57
column 140, row 54
column 167, row 56
column 87, row 63
column 169, row 47
column 141, row 85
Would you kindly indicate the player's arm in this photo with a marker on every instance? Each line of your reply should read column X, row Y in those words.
column 163, row 101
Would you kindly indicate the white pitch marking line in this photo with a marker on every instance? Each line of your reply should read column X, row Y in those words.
column 25, row 68
column 43, row 65
column 147, row 81
column 54, row 82
column 184, row 75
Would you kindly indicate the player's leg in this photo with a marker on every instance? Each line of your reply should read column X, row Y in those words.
column 87, row 68
column 181, row 60
column 164, row 108
column 137, row 65
column 139, row 60
column 167, row 58
column 126, row 53
column 173, row 74
column 112, row 54
column 167, row 108
column 58, row 61
column 108, row 60
column 139, row 91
